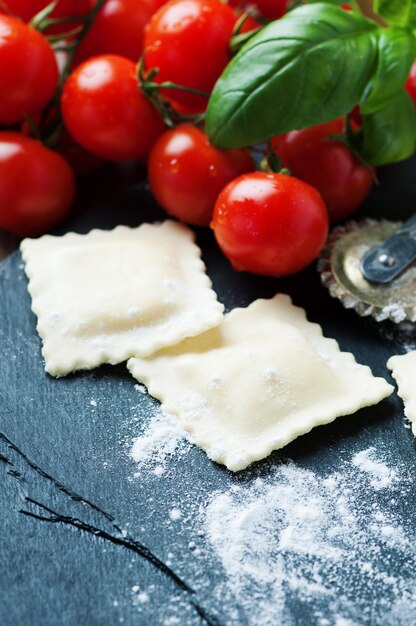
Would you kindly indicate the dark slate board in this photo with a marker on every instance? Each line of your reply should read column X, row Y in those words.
column 77, row 534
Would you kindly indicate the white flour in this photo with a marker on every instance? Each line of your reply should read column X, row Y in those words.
column 161, row 439
column 380, row 475
column 295, row 541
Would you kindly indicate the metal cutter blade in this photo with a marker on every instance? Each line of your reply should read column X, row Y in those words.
column 341, row 268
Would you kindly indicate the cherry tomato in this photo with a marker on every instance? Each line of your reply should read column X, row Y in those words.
column 37, row 186
column 28, row 71
column 27, row 9
column 328, row 165
column 411, row 83
column 118, row 29
column 186, row 173
column 105, row 112
column 356, row 118
column 270, row 224
column 272, row 9
column 188, row 40
column 81, row 161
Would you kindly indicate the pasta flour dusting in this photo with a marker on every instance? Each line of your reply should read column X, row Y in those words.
column 161, row 439
column 297, row 547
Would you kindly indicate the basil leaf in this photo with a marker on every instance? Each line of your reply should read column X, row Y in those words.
column 389, row 134
column 397, row 12
column 396, row 52
column 309, row 67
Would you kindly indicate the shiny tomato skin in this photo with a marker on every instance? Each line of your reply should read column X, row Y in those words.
column 292, row 146
column 342, row 180
column 106, row 113
column 28, row 71
column 411, row 83
column 37, row 186
column 188, row 40
column 186, row 173
column 272, row 9
column 270, row 224
column 27, row 9
column 118, row 29
column 327, row 164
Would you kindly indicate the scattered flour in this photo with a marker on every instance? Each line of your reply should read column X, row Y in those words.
column 381, row 475
column 299, row 548
column 175, row 514
column 293, row 547
column 140, row 597
column 161, row 439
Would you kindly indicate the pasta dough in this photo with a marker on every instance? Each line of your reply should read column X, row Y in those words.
column 262, row 378
column 109, row 295
column 403, row 368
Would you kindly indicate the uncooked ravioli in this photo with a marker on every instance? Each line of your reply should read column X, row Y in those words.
column 109, row 295
column 403, row 369
column 256, row 382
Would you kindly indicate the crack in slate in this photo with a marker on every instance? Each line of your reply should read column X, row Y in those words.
column 119, row 538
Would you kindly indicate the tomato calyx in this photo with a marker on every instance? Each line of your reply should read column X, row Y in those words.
column 151, row 89
column 43, row 20
column 352, row 138
column 271, row 162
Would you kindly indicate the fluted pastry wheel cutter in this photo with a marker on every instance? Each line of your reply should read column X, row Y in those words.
column 370, row 266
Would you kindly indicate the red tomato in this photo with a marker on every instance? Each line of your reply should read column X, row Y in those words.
column 118, row 29
column 81, row 161
column 28, row 71
column 188, row 40
column 272, row 9
column 186, row 173
column 270, row 224
column 105, row 112
column 328, row 165
column 26, row 9
column 37, row 186
column 356, row 118
column 292, row 146
column 411, row 83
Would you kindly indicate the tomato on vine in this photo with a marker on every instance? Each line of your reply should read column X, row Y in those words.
column 327, row 164
column 106, row 113
column 270, row 224
column 186, row 173
column 188, row 41
column 37, row 186
column 118, row 28
column 27, row 9
column 29, row 73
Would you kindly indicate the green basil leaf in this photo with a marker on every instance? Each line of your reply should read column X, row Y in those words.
column 397, row 12
column 389, row 134
column 309, row 67
column 396, row 52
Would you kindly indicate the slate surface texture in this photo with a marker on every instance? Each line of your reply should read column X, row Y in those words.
column 83, row 541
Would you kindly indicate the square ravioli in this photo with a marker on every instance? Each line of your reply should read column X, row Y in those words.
column 110, row 295
column 403, row 369
column 262, row 378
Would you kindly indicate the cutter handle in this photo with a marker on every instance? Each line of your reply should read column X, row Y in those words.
column 385, row 261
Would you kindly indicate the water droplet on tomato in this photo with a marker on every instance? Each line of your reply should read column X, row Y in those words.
column 174, row 166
